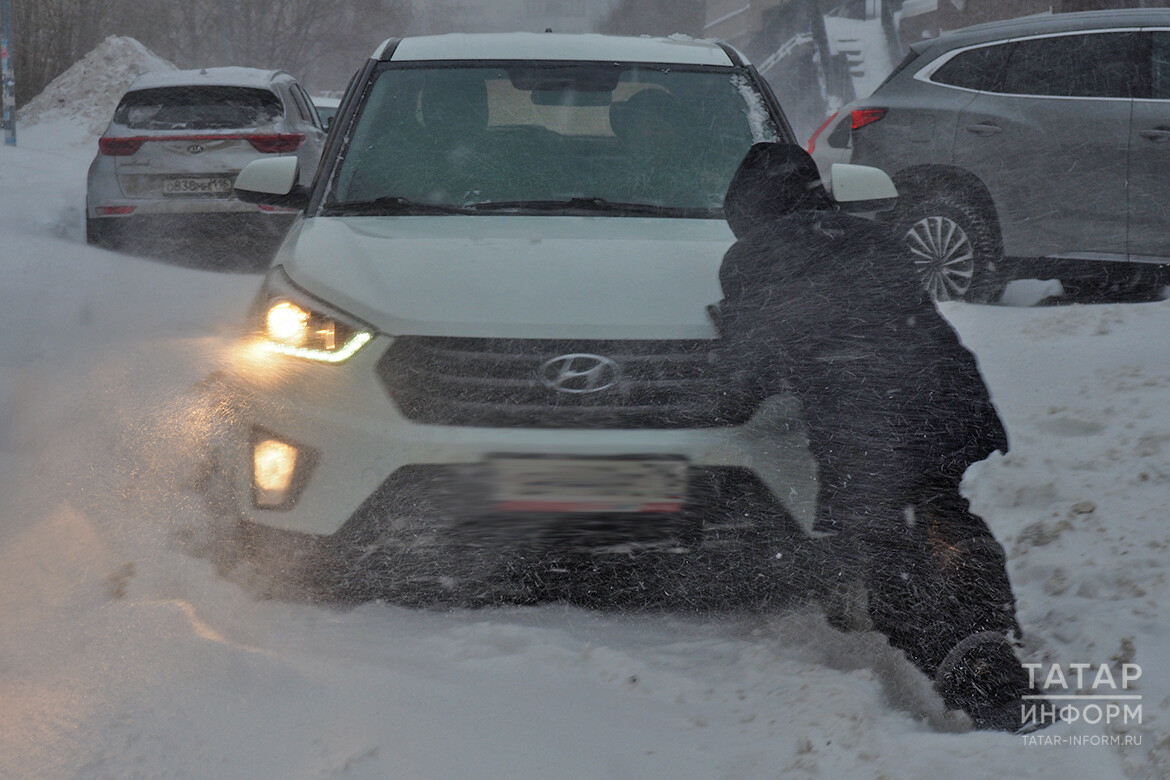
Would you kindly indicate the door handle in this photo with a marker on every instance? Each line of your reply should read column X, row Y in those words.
column 1158, row 135
column 984, row 129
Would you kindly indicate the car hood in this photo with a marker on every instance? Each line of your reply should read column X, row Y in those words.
column 515, row 276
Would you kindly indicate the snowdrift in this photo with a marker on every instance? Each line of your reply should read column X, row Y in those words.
column 86, row 94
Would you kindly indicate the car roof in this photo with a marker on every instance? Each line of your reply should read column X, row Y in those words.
column 1044, row 23
column 219, row 77
column 589, row 47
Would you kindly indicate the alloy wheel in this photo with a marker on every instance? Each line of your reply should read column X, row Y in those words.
column 943, row 256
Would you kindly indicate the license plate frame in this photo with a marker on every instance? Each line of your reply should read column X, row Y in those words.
column 196, row 186
column 568, row 484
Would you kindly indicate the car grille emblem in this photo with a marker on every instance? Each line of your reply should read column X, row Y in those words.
column 195, row 148
column 579, row 373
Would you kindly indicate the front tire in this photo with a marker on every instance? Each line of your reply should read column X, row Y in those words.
column 955, row 247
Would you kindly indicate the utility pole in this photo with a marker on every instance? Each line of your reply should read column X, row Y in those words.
column 7, row 80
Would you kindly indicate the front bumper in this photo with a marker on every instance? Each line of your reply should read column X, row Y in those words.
column 356, row 440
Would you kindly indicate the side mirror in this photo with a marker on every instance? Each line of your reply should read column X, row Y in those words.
column 862, row 188
column 272, row 182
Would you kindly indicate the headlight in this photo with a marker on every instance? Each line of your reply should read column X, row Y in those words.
column 291, row 323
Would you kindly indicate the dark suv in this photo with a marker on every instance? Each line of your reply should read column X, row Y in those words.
column 1045, row 138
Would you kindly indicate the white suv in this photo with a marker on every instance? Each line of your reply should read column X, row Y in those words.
column 493, row 318
column 178, row 139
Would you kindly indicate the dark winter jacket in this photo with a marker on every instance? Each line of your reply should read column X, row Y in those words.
column 828, row 304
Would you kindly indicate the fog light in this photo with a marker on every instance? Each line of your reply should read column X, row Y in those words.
column 279, row 471
column 275, row 462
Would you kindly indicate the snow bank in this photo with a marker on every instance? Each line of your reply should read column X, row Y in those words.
column 85, row 96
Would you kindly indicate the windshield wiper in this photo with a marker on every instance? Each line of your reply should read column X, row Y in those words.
column 388, row 206
column 577, row 206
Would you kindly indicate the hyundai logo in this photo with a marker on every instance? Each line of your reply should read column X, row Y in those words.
column 195, row 148
column 579, row 373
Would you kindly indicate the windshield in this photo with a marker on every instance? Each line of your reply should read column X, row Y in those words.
column 577, row 137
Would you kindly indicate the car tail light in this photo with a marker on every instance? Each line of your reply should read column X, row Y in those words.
column 120, row 147
column 812, row 139
column 867, row 116
column 115, row 211
column 276, row 143
column 268, row 143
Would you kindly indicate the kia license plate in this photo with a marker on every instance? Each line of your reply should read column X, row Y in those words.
column 583, row 484
column 198, row 185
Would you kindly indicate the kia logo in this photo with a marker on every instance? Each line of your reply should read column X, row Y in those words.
column 195, row 149
column 579, row 373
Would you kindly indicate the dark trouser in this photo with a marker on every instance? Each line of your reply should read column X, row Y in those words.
column 933, row 571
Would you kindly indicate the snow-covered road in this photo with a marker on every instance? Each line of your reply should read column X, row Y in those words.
column 121, row 656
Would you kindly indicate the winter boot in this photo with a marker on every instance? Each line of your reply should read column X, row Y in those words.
column 982, row 676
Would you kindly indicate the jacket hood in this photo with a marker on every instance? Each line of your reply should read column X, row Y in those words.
column 773, row 180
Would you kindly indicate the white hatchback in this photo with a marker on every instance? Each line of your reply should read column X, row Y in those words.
column 493, row 318
column 178, row 139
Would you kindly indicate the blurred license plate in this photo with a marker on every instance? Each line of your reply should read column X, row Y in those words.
column 543, row 484
column 198, row 185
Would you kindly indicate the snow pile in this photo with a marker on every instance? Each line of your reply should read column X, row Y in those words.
column 87, row 93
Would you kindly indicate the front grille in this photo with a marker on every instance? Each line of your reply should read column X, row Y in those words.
column 498, row 383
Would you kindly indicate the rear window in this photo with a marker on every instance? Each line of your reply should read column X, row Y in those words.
column 198, row 108
column 980, row 69
column 1159, row 66
column 1102, row 65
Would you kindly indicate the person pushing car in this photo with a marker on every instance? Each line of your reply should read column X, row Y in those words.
column 826, row 305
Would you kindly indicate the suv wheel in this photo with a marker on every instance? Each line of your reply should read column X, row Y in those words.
column 954, row 248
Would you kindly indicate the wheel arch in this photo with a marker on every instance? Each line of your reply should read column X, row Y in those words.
column 920, row 182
